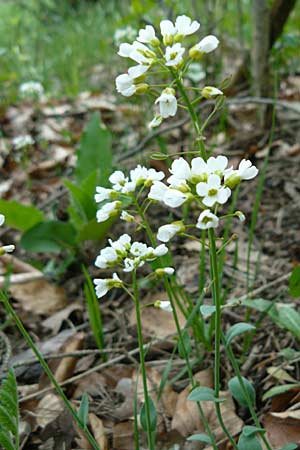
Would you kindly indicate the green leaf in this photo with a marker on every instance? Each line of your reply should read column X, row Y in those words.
column 207, row 310
column 248, row 440
column 294, row 282
column 289, row 318
column 290, row 447
column 82, row 201
column 184, row 346
column 164, row 378
column 94, row 230
column 83, row 409
column 19, row 216
column 94, row 152
column 153, row 416
column 236, row 330
column 94, row 309
column 280, row 390
column 159, row 156
column 6, row 441
column 203, row 393
column 238, row 392
column 200, row 438
column 51, row 236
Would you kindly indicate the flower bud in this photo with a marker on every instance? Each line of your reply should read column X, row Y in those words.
column 141, row 88
column 126, row 217
column 168, row 40
column 195, row 54
column 240, row 215
column 165, row 271
column 232, row 181
column 155, row 42
column 164, row 305
column 210, row 92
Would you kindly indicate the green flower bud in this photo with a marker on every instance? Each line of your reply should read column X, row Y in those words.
column 141, row 88
column 233, row 181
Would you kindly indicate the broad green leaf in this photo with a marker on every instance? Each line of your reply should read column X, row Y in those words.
column 290, row 447
column 84, row 409
column 294, row 282
column 203, row 393
column 250, row 430
column 200, row 438
column 94, row 230
column 236, row 330
column 153, row 416
column 264, row 306
column 83, row 202
column 19, row 216
column 51, row 236
column 207, row 310
column 238, row 392
column 249, row 442
column 8, row 422
column 280, row 390
column 94, row 152
column 289, row 318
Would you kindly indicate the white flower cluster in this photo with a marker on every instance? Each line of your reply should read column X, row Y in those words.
column 127, row 255
column 20, row 142
column 31, row 90
column 209, row 183
column 122, row 186
column 5, row 248
column 124, row 33
column 147, row 51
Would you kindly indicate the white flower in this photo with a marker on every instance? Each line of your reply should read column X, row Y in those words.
column 108, row 257
column 128, row 187
column 137, row 71
column 22, row 141
column 131, row 264
column 165, row 305
column 102, row 286
column 147, row 35
column 161, row 250
column 2, row 219
column 246, row 170
column 126, row 217
column 139, row 174
column 138, row 52
column 157, row 191
column 173, row 55
column 212, row 191
column 174, row 198
column 154, row 175
column 167, row 103
column 240, row 215
column 199, row 170
column 139, row 249
column 210, row 92
column 118, row 180
column 107, row 211
column 102, row 194
column 180, row 170
column 167, row 232
column 122, row 244
column 155, row 122
column 217, row 165
column 185, row 26
column 167, row 28
column 7, row 248
column 31, row 89
column 207, row 44
column 207, row 220
column 125, row 85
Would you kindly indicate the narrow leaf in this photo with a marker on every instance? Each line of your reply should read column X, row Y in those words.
column 84, row 409
column 153, row 416
column 200, row 438
column 280, row 390
column 204, row 393
column 294, row 282
column 6, row 441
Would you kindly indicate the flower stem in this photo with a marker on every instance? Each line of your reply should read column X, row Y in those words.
column 217, row 303
column 47, row 370
column 150, row 434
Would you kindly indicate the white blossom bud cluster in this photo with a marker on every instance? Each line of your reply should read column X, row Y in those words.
column 128, row 256
column 168, row 54
column 5, row 248
column 31, row 90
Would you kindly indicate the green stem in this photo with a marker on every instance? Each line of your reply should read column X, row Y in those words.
column 142, row 360
column 245, row 392
column 217, row 303
column 47, row 370
column 189, row 369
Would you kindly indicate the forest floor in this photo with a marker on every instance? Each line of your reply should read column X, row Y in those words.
column 55, row 311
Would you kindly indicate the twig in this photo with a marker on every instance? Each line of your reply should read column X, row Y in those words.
column 21, row 278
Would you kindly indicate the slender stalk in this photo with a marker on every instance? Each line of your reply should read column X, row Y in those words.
column 142, row 360
column 217, row 303
column 188, row 365
column 47, row 370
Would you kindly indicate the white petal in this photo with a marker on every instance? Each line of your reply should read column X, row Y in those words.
column 213, row 182
column 167, row 28
column 202, row 189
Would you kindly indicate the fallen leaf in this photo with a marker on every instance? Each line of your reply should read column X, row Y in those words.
column 48, row 409
column 282, row 428
column 280, row 374
column 123, row 433
column 39, row 296
column 98, row 431
column 55, row 321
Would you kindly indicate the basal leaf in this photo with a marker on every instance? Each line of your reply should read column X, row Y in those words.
column 236, row 330
column 276, row 390
column 19, row 216
column 238, row 392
